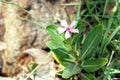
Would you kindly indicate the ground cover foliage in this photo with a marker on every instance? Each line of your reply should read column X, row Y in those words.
column 93, row 54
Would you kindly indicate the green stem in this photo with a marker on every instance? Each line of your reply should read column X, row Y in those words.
column 105, row 7
column 78, row 12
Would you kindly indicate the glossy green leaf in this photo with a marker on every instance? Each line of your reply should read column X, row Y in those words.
column 94, row 65
column 62, row 56
column 91, row 42
column 71, row 70
column 86, row 76
column 52, row 31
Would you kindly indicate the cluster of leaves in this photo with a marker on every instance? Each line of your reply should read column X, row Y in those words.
column 89, row 55
column 74, row 57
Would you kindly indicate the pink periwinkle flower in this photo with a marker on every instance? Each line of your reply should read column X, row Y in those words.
column 68, row 29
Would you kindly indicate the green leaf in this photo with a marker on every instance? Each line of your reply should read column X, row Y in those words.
column 60, row 73
column 55, row 45
column 77, row 38
column 114, row 71
column 62, row 56
column 78, row 16
column 112, row 35
column 111, row 71
column 86, row 76
column 29, row 68
column 71, row 70
column 91, row 42
column 94, row 65
column 34, row 66
column 52, row 31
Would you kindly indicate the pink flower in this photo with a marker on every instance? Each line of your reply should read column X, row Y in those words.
column 68, row 29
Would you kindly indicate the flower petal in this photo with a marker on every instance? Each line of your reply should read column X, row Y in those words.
column 67, row 35
column 73, row 24
column 64, row 23
column 74, row 30
column 60, row 30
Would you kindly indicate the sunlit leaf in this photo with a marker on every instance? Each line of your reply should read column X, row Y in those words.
column 91, row 42
column 52, row 31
